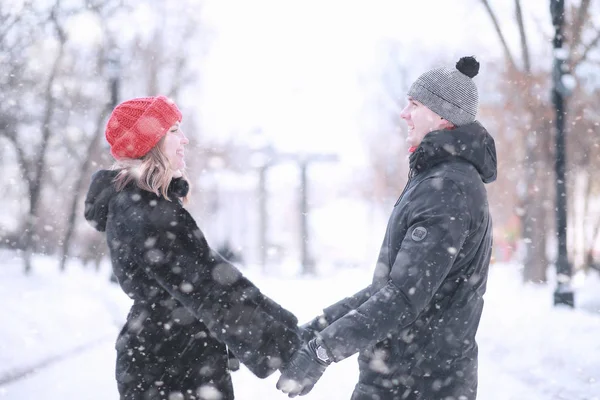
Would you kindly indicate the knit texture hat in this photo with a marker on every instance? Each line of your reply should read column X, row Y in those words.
column 450, row 92
column 135, row 126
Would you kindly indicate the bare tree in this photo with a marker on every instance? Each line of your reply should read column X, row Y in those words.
column 109, row 64
column 535, row 114
column 536, row 162
column 17, row 32
column 33, row 166
column 52, row 83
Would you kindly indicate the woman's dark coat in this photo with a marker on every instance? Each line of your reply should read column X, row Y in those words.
column 188, row 302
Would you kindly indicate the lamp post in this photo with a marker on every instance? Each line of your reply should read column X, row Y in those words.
column 262, row 158
column 563, row 294
column 308, row 263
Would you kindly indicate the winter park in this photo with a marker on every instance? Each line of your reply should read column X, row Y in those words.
column 336, row 200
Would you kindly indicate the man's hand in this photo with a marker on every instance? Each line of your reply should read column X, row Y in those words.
column 305, row 368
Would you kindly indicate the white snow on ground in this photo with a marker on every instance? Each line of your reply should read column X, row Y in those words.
column 67, row 324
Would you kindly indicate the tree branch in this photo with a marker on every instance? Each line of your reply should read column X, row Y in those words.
column 181, row 61
column 523, row 36
column 48, row 112
column 580, row 20
column 586, row 51
column 7, row 25
column 507, row 53
column 21, row 157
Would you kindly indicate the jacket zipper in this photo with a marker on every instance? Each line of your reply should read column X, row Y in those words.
column 411, row 174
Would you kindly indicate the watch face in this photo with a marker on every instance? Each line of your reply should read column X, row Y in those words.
column 322, row 354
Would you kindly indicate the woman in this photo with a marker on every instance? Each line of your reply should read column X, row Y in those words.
column 189, row 303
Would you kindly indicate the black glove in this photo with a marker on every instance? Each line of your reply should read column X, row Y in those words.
column 310, row 330
column 304, row 370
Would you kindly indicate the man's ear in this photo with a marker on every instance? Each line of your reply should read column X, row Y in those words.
column 446, row 124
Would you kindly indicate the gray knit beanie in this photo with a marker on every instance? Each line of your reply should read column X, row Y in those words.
column 450, row 92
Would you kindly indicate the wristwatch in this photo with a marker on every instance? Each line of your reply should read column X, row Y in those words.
column 321, row 353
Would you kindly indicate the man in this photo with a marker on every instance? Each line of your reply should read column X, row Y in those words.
column 415, row 324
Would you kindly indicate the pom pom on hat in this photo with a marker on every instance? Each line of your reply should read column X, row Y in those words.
column 468, row 66
column 135, row 126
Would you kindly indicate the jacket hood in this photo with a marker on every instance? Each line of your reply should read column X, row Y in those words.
column 471, row 143
column 99, row 194
column 102, row 189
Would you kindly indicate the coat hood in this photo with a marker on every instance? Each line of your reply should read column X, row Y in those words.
column 471, row 143
column 99, row 194
column 102, row 189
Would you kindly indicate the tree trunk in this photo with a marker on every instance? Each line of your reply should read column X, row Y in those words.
column 582, row 198
column 35, row 181
column 534, row 223
column 78, row 189
column 534, row 216
column 590, row 261
column 533, row 220
column 30, row 224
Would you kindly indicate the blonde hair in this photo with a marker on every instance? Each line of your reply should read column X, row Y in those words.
column 152, row 172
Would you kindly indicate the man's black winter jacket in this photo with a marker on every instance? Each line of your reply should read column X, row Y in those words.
column 415, row 324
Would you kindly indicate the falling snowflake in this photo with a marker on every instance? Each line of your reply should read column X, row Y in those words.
column 209, row 393
column 186, row 287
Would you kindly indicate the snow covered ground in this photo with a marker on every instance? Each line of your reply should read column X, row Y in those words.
column 58, row 331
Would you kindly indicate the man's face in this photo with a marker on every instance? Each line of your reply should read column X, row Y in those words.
column 420, row 120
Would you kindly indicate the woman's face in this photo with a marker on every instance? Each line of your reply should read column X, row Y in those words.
column 173, row 149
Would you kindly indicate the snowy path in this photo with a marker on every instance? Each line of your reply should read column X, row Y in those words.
column 529, row 350
column 88, row 375
column 19, row 374
column 85, row 375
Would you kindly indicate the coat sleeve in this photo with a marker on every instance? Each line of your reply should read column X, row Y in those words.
column 174, row 252
column 344, row 306
column 438, row 225
column 267, row 304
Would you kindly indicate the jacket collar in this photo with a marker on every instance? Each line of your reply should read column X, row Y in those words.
column 178, row 187
column 471, row 143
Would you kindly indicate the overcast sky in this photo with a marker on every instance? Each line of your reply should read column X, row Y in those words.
column 290, row 68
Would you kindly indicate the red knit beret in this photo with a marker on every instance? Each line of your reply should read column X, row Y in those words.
column 135, row 126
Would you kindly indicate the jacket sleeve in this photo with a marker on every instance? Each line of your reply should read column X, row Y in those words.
column 344, row 306
column 268, row 305
column 438, row 225
column 333, row 313
column 174, row 252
